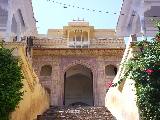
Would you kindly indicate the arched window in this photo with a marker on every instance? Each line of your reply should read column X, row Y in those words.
column 46, row 70
column 110, row 70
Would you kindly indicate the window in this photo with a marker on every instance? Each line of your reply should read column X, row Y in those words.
column 110, row 70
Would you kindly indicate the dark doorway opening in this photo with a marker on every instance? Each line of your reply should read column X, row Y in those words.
column 78, row 86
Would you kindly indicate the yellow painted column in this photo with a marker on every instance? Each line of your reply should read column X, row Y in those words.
column 81, row 39
column 75, row 39
column 88, row 40
column 68, row 39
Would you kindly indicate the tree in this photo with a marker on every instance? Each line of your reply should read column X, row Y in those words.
column 10, row 82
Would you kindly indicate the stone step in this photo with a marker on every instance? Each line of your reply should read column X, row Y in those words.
column 77, row 113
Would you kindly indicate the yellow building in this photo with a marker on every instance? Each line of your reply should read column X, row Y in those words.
column 76, row 64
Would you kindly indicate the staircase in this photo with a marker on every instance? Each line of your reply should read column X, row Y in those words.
column 77, row 113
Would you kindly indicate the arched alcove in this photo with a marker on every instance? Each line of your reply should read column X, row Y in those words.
column 110, row 70
column 46, row 70
column 48, row 90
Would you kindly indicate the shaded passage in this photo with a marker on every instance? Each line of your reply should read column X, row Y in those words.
column 78, row 90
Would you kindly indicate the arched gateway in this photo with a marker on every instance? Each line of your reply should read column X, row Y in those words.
column 79, row 85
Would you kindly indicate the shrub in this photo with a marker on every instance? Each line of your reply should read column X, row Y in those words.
column 145, row 71
column 10, row 82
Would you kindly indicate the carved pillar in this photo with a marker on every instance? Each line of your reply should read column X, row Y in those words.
column 19, row 31
column 19, row 27
column 88, row 40
column 143, row 28
column 139, row 7
column 9, row 21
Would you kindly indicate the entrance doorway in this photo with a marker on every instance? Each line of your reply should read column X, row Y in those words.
column 78, row 86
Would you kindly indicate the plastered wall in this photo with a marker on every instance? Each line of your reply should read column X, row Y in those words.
column 121, row 100
column 36, row 99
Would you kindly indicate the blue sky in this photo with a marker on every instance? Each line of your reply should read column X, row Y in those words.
column 53, row 15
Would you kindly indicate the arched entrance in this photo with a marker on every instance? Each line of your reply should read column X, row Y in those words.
column 78, row 86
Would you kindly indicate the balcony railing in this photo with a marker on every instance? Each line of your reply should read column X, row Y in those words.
column 62, row 42
column 78, row 43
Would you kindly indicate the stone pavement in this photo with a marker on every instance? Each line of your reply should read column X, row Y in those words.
column 77, row 113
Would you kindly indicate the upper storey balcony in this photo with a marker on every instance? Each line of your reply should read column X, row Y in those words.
column 78, row 34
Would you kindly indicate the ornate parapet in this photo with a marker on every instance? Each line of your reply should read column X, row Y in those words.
column 61, row 42
column 107, row 43
column 53, row 42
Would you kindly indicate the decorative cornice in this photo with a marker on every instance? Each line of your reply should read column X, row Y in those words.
column 78, row 52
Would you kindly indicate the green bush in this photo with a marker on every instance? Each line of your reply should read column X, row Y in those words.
column 10, row 82
column 145, row 71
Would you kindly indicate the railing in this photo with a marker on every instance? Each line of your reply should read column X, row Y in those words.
column 55, row 42
column 78, row 43
column 61, row 42
column 107, row 42
column 51, row 38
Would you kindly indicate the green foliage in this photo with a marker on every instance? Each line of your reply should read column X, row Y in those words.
column 10, row 82
column 145, row 70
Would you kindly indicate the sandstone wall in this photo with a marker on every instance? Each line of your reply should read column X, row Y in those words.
column 36, row 99
column 121, row 100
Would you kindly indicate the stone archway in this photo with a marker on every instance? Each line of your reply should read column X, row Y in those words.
column 78, row 86
column 94, row 80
